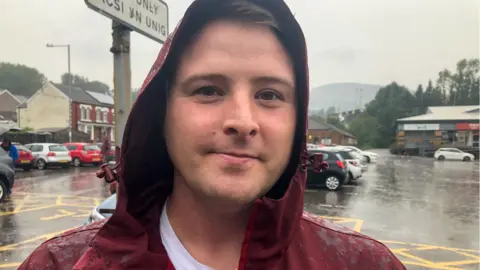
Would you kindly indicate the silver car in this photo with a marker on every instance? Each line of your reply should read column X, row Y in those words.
column 49, row 154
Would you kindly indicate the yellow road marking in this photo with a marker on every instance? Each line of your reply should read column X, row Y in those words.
column 65, row 213
column 27, row 210
column 20, row 204
column 59, row 200
column 8, row 265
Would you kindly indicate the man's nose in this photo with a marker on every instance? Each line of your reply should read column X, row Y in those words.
column 240, row 117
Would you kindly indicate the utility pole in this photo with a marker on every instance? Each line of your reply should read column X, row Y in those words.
column 69, row 87
column 121, row 80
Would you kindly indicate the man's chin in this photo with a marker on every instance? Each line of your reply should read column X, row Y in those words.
column 230, row 200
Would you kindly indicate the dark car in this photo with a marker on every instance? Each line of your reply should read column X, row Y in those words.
column 103, row 211
column 331, row 178
column 7, row 174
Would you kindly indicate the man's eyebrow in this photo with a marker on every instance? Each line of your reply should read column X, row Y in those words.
column 204, row 77
column 275, row 80
column 215, row 77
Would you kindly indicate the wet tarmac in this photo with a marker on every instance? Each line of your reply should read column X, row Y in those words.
column 426, row 211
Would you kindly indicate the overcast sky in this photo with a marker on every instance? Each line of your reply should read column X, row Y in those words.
column 365, row 41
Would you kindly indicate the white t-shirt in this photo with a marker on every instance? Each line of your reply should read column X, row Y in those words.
column 179, row 256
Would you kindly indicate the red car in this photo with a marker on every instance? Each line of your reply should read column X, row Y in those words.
column 25, row 158
column 84, row 153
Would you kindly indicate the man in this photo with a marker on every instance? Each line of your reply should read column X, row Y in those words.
column 10, row 148
column 214, row 159
column 106, row 145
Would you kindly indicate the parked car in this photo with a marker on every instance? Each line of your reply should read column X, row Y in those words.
column 25, row 158
column 452, row 154
column 354, row 166
column 369, row 156
column 103, row 210
column 334, row 176
column 7, row 175
column 84, row 153
column 49, row 154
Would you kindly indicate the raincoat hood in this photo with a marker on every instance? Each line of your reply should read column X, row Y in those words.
column 146, row 172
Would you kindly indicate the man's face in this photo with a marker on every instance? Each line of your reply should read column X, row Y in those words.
column 231, row 113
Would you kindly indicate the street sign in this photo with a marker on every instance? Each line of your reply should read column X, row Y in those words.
column 147, row 17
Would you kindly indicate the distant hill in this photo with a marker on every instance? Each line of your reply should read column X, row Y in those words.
column 342, row 96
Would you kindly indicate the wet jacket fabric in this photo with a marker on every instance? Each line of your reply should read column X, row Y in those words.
column 279, row 234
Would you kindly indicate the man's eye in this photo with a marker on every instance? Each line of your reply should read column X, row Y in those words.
column 269, row 95
column 209, row 91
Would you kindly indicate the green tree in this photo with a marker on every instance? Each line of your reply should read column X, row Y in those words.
column 464, row 83
column 20, row 79
column 84, row 83
column 391, row 103
column 335, row 121
column 419, row 96
column 365, row 129
column 331, row 110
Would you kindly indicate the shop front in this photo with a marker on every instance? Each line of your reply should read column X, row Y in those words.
column 468, row 133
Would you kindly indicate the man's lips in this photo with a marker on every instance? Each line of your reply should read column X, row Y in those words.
column 236, row 158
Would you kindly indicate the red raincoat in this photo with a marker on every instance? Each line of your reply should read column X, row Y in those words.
column 279, row 235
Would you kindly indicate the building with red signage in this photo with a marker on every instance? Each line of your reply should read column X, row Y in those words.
column 445, row 126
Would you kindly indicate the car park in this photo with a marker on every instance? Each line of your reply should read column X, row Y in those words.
column 332, row 177
column 84, row 153
column 7, row 174
column 452, row 154
column 49, row 154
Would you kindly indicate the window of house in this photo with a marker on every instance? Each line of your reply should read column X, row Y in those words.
column 105, row 116
column 98, row 116
column 326, row 141
column 82, row 113
column 87, row 111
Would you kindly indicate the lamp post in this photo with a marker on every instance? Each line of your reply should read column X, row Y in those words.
column 69, row 87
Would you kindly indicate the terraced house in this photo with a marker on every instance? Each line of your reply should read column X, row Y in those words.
column 48, row 110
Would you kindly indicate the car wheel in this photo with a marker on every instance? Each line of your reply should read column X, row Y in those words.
column 368, row 159
column 41, row 164
column 3, row 190
column 441, row 158
column 77, row 162
column 332, row 182
column 466, row 159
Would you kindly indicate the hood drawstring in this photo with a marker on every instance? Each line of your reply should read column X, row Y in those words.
column 109, row 174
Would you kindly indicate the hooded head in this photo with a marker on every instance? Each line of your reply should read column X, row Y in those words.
column 222, row 114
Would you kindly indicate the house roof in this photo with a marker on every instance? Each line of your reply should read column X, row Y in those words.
column 19, row 98
column 101, row 98
column 443, row 113
column 325, row 126
column 316, row 125
column 77, row 94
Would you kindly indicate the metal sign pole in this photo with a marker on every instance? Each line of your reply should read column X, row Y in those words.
column 121, row 81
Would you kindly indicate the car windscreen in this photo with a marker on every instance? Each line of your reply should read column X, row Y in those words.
column 91, row 147
column 355, row 155
column 339, row 156
column 58, row 148
column 2, row 152
column 22, row 148
column 346, row 155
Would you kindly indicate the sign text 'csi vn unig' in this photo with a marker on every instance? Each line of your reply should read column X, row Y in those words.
column 147, row 17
